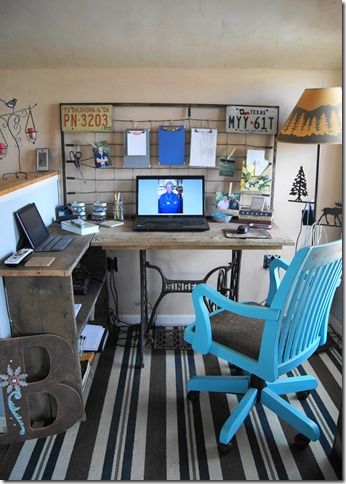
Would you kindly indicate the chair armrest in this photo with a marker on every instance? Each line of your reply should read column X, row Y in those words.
column 274, row 278
column 223, row 302
column 203, row 334
column 278, row 263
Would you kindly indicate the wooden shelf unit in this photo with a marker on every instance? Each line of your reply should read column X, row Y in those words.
column 41, row 301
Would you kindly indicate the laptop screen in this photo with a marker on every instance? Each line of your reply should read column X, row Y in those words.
column 30, row 221
column 170, row 195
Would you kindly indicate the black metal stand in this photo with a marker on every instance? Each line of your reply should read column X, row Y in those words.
column 144, row 304
column 227, row 284
column 317, row 174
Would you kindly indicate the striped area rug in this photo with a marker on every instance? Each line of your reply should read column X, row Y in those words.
column 140, row 426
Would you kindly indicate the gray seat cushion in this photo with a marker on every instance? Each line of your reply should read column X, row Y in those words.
column 238, row 332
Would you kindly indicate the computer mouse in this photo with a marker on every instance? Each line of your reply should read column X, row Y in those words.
column 242, row 229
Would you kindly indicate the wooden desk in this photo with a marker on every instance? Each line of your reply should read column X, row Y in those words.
column 125, row 238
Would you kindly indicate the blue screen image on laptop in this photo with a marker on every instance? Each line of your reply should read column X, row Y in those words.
column 170, row 196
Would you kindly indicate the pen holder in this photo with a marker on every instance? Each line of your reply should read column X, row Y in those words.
column 118, row 211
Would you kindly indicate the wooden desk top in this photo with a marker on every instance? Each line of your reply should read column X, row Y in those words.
column 63, row 264
column 125, row 238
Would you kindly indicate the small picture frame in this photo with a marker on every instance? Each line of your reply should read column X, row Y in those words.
column 42, row 159
column 102, row 155
column 258, row 204
column 227, row 201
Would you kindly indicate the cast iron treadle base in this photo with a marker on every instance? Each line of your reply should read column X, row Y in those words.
column 169, row 338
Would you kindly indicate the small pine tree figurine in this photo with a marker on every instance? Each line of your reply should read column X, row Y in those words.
column 299, row 186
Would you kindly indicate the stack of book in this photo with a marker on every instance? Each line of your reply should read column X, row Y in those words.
column 111, row 223
column 79, row 226
column 91, row 341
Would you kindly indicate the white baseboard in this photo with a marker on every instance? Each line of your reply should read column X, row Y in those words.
column 162, row 319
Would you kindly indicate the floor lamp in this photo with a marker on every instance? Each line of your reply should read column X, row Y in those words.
column 316, row 119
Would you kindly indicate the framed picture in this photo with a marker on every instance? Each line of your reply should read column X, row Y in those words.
column 257, row 204
column 102, row 155
column 227, row 201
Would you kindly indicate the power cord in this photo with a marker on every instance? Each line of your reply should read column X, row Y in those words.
column 317, row 231
column 114, row 320
column 300, row 229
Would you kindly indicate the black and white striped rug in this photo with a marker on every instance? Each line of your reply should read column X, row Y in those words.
column 140, row 426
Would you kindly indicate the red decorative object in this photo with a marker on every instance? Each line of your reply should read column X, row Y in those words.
column 3, row 150
column 31, row 134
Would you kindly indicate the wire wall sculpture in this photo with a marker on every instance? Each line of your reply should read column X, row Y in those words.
column 11, row 123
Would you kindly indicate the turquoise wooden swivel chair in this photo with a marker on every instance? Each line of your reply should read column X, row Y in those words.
column 268, row 341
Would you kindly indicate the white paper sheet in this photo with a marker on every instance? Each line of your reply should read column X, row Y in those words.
column 137, row 143
column 93, row 334
column 256, row 162
column 77, row 309
column 203, row 147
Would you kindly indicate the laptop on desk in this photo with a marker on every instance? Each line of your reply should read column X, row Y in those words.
column 36, row 233
column 170, row 203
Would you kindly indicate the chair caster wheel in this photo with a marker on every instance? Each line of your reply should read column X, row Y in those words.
column 224, row 448
column 193, row 395
column 303, row 395
column 301, row 441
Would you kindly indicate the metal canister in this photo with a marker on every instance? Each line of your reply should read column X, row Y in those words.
column 99, row 211
column 79, row 208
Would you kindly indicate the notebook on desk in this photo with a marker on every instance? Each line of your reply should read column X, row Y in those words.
column 36, row 233
column 170, row 203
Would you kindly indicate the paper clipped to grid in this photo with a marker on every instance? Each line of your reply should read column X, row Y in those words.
column 203, row 147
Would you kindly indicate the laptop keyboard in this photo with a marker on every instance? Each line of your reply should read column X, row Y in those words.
column 174, row 224
column 53, row 244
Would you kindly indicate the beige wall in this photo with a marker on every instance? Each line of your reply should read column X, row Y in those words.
column 50, row 87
